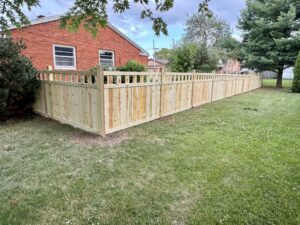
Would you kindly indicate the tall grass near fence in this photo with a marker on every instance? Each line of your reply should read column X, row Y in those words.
column 107, row 101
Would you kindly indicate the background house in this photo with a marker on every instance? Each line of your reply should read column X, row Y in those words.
column 48, row 45
column 157, row 65
column 230, row 66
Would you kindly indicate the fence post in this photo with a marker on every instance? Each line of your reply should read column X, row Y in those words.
column 161, row 90
column 101, row 109
column 193, row 83
column 50, row 74
column 50, row 92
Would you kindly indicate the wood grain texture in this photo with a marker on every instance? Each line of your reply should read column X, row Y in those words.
column 103, row 102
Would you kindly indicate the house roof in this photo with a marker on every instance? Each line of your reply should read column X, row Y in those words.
column 161, row 61
column 57, row 17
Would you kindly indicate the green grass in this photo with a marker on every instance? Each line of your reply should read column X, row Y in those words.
column 235, row 161
column 272, row 83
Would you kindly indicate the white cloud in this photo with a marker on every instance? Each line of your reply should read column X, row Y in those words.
column 140, row 30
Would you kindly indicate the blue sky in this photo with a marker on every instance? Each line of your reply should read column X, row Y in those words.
column 140, row 30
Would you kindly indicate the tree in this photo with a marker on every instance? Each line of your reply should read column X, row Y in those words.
column 296, row 81
column 206, row 59
column 271, row 35
column 164, row 53
column 91, row 14
column 208, row 34
column 231, row 48
column 186, row 57
column 183, row 57
column 11, row 13
column 205, row 30
column 18, row 81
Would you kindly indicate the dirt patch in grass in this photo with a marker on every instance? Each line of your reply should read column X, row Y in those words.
column 110, row 140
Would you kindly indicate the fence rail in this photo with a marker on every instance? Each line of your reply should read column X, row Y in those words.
column 103, row 102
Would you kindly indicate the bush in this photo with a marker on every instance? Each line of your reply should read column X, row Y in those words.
column 132, row 66
column 296, row 81
column 183, row 58
column 206, row 59
column 191, row 56
column 18, row 81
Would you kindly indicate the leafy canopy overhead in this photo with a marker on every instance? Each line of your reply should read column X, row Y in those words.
column 11, row 13
column 91, row 14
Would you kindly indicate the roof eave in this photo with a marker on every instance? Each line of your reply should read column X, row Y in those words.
column 57, row 17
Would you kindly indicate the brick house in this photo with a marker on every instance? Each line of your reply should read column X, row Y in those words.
column 48, row 45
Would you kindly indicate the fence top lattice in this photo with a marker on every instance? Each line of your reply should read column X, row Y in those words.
column 120, row 78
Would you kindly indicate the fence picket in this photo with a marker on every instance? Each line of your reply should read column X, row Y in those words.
column 103, row 102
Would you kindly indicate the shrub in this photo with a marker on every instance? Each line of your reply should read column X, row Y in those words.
column 296, row 81
column 132, row 66
column 18, row 81
column 189, row 56
column 105, row 68
column 183, row 58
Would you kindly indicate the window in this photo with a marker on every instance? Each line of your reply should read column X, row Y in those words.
column 64, row 57
column 107, row 58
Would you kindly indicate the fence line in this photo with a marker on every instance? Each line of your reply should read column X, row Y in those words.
column 119, row 100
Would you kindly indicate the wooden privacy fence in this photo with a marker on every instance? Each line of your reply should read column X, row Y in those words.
column 103, row 102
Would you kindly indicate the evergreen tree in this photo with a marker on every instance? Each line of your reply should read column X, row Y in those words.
column 296, row 81
column 183, row 58
column 271, row 35
column 206, row 59
column 18, row 81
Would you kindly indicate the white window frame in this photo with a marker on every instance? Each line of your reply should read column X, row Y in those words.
column 65, row 67
column 113, row 56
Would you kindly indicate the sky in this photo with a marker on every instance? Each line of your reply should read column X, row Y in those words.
column 140, row 30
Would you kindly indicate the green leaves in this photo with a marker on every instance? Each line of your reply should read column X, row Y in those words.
column 11, row 13
column 121, row 5
column 271, row 34
column 159, row 26
column 91, row 14
column 296, row 81
column 163, row 53
column 183, row 58
column 203, row 8
column 231, row 47
column 132, row 66
column 17, row 79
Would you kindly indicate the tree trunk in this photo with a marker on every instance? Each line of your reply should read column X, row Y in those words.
column 279, row 78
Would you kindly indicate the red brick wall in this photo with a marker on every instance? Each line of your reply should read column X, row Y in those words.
column 40, row 38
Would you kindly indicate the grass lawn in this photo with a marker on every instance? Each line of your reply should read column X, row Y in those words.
column 235, row 161
column 272, row 83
